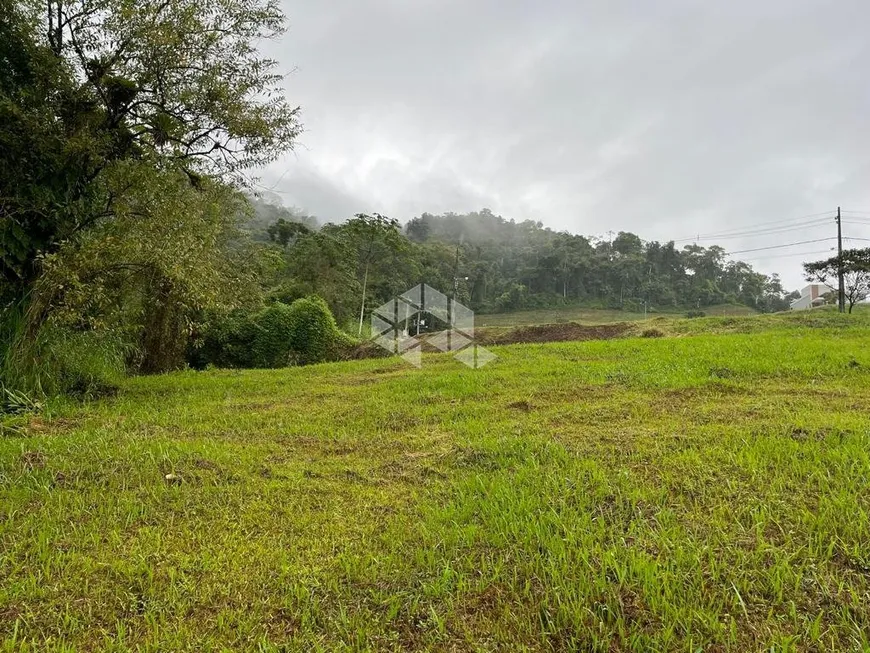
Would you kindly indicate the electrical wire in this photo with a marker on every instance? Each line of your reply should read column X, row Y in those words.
column 820, row 218
column 792, row 255
column 761, row 249
column 771, row 231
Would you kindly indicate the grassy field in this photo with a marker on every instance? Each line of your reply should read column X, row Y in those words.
column 707, row 491
column 589, row 315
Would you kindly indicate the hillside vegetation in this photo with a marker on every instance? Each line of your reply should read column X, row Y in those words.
column 700, row 492
column 587, row 315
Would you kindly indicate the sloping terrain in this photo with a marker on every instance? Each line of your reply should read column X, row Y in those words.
column 655, row 327
column 560, row 314
column 562, row 332
column 707, row 491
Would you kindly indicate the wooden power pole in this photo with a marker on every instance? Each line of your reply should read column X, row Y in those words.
column 841, row 290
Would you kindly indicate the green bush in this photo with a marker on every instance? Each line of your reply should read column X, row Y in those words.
column 314, row 335
column 693, row 314
column 224, row 340
column 273, row 335
column 300, row 334
column 88, row 363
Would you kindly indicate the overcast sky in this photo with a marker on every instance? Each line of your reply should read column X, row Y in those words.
column 668, row 118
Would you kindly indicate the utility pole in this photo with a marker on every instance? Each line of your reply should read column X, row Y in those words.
column 419, row 315
column 452, row 301
column 842, row 286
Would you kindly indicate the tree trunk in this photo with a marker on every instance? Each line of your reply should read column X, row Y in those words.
column 362, row 306
column 164, row 339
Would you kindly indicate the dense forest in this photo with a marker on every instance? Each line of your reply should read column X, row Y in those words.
column 132, row 240
column 496, row 265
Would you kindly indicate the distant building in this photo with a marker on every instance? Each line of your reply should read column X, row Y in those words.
column 811, row 297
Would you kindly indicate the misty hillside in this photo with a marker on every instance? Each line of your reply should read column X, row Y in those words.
column 496, row 264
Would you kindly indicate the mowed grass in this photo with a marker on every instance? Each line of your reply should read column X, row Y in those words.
column 704, row 492
column 584, row 315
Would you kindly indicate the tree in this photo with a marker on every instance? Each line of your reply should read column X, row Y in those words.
column 166, row 255
column 268, row 209
column 284, row 232
column 87, row 83
column 418, row 229
column 320, row 263
column 856, row 273
column 372, row 238
column 123, row 120
column 183, row 78
column 51, row 145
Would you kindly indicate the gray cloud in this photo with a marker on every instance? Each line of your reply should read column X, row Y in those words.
column 666, row 118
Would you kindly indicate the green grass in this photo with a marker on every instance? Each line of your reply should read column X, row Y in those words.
column 589, row 315
column 701, row 492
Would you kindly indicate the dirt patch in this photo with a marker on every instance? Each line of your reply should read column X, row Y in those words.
column 801, row 434
column 202, row 463
column 565, row 332
column 538, row 333
column 523, row 406
column 33, row 460
column 366, row 349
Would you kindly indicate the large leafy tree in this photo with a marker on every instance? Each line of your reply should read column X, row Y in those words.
column 856, row 273
column 51, row 145
column 170, row 250
column 319, row 263
column 123, row 120
column 181, row 77
column 87, row 83
column 376, row 242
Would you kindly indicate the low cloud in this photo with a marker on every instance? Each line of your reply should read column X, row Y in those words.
column 667, row 119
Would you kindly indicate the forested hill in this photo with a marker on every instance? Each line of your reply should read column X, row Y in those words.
column 502, row 265
column 503, row 255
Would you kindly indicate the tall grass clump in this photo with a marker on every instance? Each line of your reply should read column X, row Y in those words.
column 51, row 360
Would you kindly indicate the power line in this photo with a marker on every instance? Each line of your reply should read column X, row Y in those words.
column 761, row 249
column 770, row 231
column 792, row 255
column 762, row 226
column 760, row 232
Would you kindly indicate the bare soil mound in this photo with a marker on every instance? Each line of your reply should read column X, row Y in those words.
column 552, row 333
column 562, row 332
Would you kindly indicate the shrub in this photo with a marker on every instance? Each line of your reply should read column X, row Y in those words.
column 273, row 335
column 694, row 313
column 314, row 335
column 652, row 333
column 90, row 363
column 300, row 334
column 224, row 340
